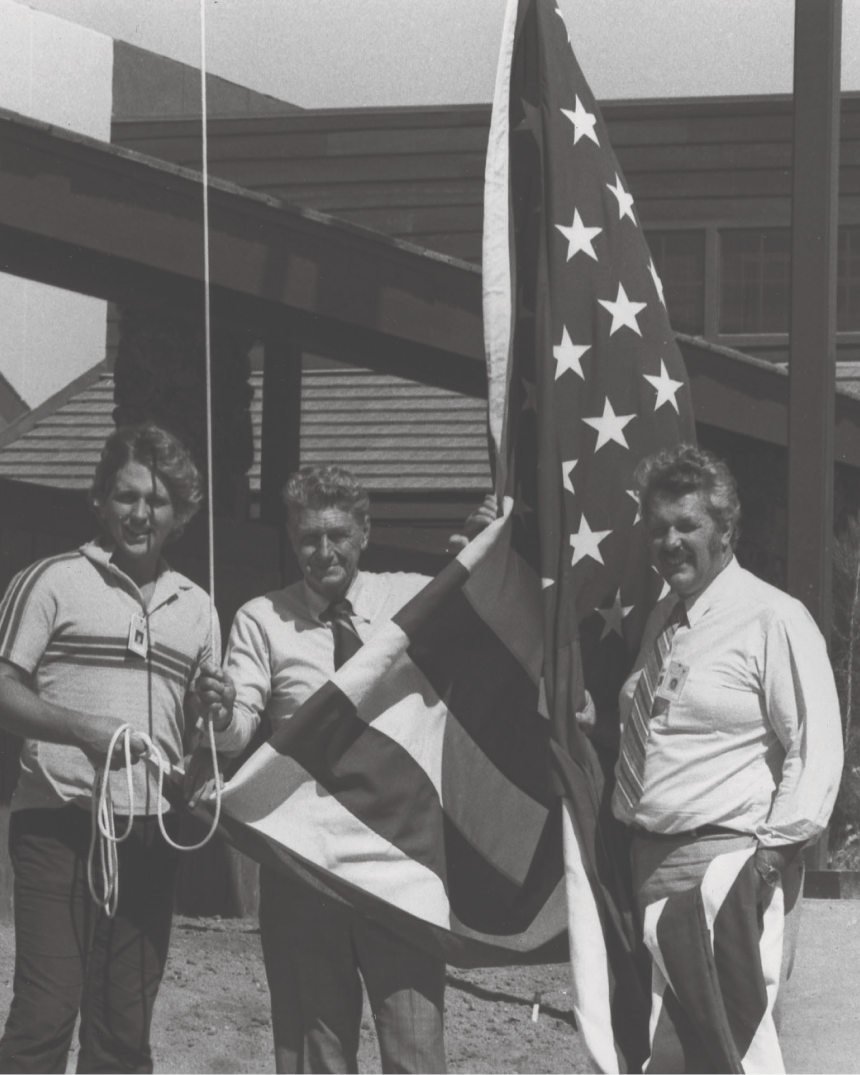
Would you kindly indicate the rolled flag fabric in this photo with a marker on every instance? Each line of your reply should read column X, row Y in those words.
column 715, row 976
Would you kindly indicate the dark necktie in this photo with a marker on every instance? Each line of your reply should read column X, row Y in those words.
column 346, row 640
column 631, row 771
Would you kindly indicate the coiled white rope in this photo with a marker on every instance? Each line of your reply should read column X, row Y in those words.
column 103, row 827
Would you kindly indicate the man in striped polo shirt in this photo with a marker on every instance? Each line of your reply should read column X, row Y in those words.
column 89, row 640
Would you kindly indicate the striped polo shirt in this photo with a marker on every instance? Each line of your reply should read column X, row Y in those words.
column 66, row 621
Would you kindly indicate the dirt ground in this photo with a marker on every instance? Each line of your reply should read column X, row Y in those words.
column 213, row 1010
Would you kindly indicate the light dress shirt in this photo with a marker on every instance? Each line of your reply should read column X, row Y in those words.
column 280, row 651
column 754, row 741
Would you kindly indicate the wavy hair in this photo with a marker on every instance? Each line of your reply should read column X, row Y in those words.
column 325, row 487
column 687, row 469
column 164, row 455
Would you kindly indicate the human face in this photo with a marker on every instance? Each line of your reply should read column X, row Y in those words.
column 687, row 546
column 328, row 543
column 138, row 514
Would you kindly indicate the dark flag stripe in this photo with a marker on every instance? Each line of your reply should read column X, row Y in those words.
column 489, row 692
column 484, row 901
column 736, row 931
column 372, row 776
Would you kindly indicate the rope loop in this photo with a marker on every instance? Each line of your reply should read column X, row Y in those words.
column 103, row 827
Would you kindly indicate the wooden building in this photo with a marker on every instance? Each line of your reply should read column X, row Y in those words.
column 348, row 244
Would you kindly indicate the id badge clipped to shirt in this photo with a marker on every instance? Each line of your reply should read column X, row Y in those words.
column 672, row 681
column 138, row 635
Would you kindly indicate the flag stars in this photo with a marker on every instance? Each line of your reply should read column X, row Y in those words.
column 613, row 617
column 583, row 122
column 610, row 426
column 658, row 283
column 665, row 589
column 579, row 237
column 666, row 388
column 624, row 311
column 586, row 542
column 568, row 356
column 566, row 472
column 625, row 200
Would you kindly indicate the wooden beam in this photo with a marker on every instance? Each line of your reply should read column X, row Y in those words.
column 812, row 347
column 103, row 220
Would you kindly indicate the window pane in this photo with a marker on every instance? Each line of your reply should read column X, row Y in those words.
column 848, row 281
column 679, row 258
column 755, row 280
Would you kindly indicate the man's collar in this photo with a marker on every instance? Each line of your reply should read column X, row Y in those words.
column 723, row 582
column 356, row 595
column 167, row 583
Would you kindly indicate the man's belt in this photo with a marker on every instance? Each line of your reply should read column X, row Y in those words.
column 687, row 834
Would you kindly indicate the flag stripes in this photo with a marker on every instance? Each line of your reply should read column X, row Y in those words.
column 715, row 973
column 371, row 778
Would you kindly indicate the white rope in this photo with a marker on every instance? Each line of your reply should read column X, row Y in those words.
column 210, row 484
column 103, row 828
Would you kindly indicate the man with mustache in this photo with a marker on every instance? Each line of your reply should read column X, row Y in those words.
column 731, row 730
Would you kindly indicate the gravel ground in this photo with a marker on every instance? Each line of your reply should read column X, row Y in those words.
column 213, row 1010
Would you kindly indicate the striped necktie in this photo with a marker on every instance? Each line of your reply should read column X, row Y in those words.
column 346, row 638
column 631, row 767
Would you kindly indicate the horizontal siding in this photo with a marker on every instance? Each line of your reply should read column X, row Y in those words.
column 397, row 436
column 417, row 174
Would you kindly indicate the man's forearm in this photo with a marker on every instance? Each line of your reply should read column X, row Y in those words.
column 24, row 713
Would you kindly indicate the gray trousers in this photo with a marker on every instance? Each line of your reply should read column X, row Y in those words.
column 316, row 952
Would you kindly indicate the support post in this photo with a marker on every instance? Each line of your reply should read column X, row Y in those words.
column 812, row 350
column 281, row 433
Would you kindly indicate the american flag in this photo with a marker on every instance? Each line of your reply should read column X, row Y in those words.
column 586, row 376
column 439, row 781
column 716, row 968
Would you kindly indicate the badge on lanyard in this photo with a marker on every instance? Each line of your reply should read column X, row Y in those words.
column 672, row 681
column 138, row 635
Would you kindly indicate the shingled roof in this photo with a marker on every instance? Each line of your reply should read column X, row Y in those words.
column 396, row 435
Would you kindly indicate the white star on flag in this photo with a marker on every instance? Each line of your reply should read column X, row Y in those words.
column 625, row 200
column 568, row 354
column 579, row 237
column 566, row 471
column 583, row 122
column 586, row 542
column 623, row 310
column 546, row 583
column 609, row 426
column 634, row 495
column 658, row 283
column 613, row 616
column 530, row 402
column 666, row 387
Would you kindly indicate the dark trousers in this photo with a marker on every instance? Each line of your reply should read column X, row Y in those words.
column 314, row 949
column 70, row 956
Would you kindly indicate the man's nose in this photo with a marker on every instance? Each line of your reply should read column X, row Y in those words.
column 672, row 539
column 140, row 509
column 324, row 548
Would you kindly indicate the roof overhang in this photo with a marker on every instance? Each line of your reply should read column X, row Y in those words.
column 98, row 219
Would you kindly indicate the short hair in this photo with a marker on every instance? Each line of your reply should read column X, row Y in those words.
column 325, row 487
column 687, row 469
column 164, row 454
